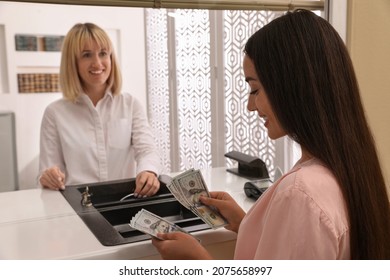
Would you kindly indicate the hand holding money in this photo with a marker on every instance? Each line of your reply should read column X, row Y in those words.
column 187, row 187
column 152, row 224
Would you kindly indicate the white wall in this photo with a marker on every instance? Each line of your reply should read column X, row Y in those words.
column 126, row 28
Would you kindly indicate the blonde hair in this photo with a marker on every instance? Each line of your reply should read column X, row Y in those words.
column 74, row 42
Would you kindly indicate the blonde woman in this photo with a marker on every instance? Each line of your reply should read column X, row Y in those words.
column 95, row 133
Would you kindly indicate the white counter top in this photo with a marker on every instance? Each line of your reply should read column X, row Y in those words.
column 40, row 224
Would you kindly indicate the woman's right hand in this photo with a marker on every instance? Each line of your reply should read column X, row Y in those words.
column 179, row 246
column 228, row 208
column 53, row 178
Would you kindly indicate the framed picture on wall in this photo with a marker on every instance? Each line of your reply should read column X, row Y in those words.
column 26, row 43
column 52, row 43
column 47, row 43
column 38, row 82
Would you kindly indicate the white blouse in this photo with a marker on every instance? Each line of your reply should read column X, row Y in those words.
column 93, row 144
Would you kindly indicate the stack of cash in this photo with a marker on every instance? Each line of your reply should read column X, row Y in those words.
column 152, row 224
column 187, row 187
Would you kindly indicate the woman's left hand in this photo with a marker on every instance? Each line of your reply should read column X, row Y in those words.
column 180, row 246
column 146, row 184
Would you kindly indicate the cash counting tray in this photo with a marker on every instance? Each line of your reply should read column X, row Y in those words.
column 108, row 217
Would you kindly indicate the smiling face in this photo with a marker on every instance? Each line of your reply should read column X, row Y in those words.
column 94, row 67
column 258, row 101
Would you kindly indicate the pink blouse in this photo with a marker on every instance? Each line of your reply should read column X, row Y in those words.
column 302, row 216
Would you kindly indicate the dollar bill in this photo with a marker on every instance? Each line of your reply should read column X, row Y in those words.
column 150, row 223
column 187, row 187
column 175, row 190
column 210, row 216
column 192, row 187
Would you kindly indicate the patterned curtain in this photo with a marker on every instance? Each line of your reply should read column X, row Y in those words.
column 185, row 64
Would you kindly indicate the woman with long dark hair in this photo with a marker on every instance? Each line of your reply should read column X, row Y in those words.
column 333, row 203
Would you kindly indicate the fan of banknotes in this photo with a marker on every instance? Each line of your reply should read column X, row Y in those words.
column 186, row 187
column 150, row 223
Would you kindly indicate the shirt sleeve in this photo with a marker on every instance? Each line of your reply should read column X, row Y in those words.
column 50, row 154
column 143, row 143
column 296, row 228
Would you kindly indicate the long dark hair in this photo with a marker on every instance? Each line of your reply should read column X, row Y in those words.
column 310, row 82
